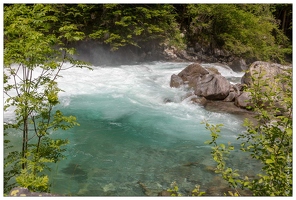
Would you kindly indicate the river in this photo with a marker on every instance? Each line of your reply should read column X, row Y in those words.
column 134, row 128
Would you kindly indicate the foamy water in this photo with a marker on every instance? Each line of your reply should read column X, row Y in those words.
column 134, row 127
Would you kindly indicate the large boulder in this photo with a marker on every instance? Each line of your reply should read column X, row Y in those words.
column 212, row 87
column 187, row 75
column 270, row 82
column 191, row 71
column 207, row 83
column 265, row 70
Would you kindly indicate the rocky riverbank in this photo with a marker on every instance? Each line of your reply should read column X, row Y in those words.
column 216, row 93
column 99, row 54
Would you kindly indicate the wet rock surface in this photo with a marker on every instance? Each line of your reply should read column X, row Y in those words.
column 216, row 93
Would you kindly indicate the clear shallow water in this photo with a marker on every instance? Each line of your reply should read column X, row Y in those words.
column 135, row 128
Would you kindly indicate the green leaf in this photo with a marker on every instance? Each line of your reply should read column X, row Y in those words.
column 231, row 147
column 269, row 161
column 208, row 142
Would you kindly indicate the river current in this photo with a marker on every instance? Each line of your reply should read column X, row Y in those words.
column 135, row 130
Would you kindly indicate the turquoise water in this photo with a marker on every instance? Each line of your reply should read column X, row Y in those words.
column 135, row 129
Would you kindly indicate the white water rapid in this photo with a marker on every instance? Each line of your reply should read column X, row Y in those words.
column 135, row 129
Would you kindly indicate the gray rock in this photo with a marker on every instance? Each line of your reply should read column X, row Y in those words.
column 199, row 100
column 193, row 70
column 268, row 71
column 176, row 81
column 268, row 74
column 238, row 65
column 212, row 87
column 231, row 96
column 243, row 100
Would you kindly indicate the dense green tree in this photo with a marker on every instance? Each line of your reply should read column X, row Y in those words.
column 255, row 31
column 250, row 31
column 283, row 13
column 34, row 55
column 135, row 24
column 84, row 16
column 244, row 30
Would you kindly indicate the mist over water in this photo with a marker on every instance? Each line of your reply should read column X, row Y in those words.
column 135, row 128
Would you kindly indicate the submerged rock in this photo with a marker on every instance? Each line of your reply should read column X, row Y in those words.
column 165, row 193
column 109, row 187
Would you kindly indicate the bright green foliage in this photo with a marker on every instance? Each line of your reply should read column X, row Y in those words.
column 245, row 30
column 196, row 191
column 269, row 140
column 34, row 54
column 174, row 190
column 124, row 24
column 220, row 153
column 31, row 177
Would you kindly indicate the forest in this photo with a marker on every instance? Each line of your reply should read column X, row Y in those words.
column 249, row 31
column 46, row 36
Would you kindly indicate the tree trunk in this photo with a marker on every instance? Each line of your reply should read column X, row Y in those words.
column 25, row 141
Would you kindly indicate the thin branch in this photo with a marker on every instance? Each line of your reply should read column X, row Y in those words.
column 14, row 78
column 41, row 76
column 49, row 111
column 27, row 79
column 31, row 76
column 35, row 128
column 32, row 136
column 60, row 67
column 5, row 92
column 68, row 68
column 16, row 74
